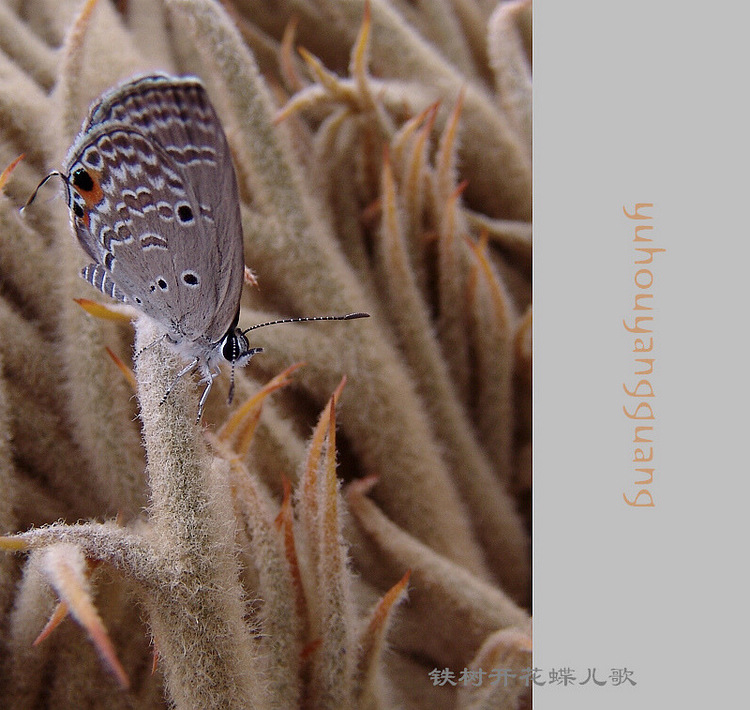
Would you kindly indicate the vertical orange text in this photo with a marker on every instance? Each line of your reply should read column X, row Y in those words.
column 640, row 408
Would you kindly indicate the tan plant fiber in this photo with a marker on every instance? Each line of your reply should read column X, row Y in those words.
column 353, row 530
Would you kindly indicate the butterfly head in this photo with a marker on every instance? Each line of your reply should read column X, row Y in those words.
column 235, row 348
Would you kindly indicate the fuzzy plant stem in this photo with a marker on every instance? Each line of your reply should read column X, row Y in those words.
column 501, row 160
column 97, row 403
column 197, row 613
column 292, row 257
column 7, row 500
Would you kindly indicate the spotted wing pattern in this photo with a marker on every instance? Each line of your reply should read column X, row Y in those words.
column 154, row 202
column 100, row 279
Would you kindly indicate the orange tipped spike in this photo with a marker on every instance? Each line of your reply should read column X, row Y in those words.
column 6, row 173
column 391, row 597
column 451, row 129
column 155, row 659
column 100, row 310
column 485, row 269
column 69, row 581
column 11, row 543
column 361, row 50
column 459, row 190
column 250, row 278
column 248, row 413
column 284, row 523
column 60, row 612
column 362, row 486
column 286, row 62
column 126, row 371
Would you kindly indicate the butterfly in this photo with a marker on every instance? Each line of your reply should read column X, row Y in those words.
column 154, row 203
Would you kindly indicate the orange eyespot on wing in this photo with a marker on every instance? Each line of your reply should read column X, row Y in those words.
column 86, row 183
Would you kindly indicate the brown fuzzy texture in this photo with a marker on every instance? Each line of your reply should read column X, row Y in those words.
column 137, row 532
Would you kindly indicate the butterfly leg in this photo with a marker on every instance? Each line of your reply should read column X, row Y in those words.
column 203, row 399
column 188, row 368
column 150, row 345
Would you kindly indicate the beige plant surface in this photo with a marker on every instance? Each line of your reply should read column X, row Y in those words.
column 353, row 530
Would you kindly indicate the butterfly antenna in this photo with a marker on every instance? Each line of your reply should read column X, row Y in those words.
column 54, row 173
column 348, row 316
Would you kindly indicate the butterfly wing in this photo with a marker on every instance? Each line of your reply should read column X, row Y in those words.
column 154, row 202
